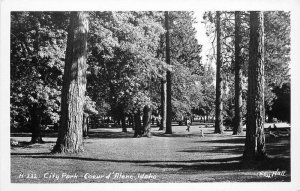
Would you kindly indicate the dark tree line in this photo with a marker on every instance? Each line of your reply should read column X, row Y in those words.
column 241, row 55
column 235, row 37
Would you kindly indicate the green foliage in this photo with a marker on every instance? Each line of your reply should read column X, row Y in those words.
column 90, row 106
column 127, row 62
column 37, row 52
column 208, row 92
column 277, row 53
column 123, row 59
column 277, row 45
column 186, row 64
column 281, row 105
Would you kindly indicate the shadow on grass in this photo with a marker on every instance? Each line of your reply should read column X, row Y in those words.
column 235, row 149
column 230, row 141
column 62, row 156
column 104, row 134
column 28, row 144
column 279, row 147
column 219, row 164
column 92, row 134
column 271, row 164
column 44, row 134
column 110, row 135
column 185, row 166
column 29, row 154
column 162, row 134
column 187, row 134
column 99, row 134
column 278, row 150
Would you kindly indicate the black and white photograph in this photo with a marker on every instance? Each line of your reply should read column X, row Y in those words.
column 203, row 94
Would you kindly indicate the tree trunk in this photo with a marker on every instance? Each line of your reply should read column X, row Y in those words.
column 163, row 106
column 36, row 136
column 132, row 121
column 85, row 125
column 137, row 124
column 219, row 103
column 169, row 80
column 270, row 118
column 157, row 123
column 147, row 120
column 107, row 122
column 123, row 123
column 74, row 85
column 255, row 138
column 238, row 101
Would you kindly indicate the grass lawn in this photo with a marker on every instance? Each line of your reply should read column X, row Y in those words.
column 113, row 156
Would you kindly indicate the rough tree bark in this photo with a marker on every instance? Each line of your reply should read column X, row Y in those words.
column 219, row 104
column 123, row 122
column 70, row 137
column 255, row 138
column 137, row 124
column 163, row 102
column 169, row 79
column 147, row 120
column 85, row 125
column 238, row 101
column 35, row 115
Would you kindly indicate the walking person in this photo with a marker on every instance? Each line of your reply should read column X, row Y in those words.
column 188, row 124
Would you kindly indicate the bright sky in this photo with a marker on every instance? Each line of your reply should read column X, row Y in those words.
column 201, row 36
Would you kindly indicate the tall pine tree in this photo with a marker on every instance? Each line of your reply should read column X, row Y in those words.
column 219, row 105
column 169, row 90
column 238, row 125
column 255, row 138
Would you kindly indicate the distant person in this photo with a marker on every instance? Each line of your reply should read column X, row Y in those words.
column 201, row 131
column 188, row 124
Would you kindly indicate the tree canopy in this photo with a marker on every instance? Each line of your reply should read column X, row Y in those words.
column 126, row 63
